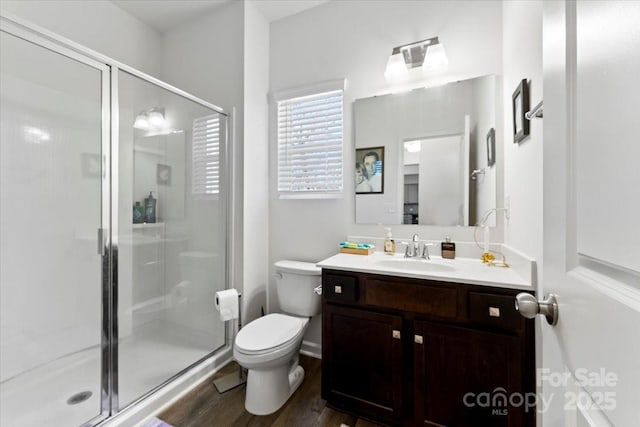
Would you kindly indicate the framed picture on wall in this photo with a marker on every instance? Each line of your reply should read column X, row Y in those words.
column 369, row 170
column 491, row 147
column 163, row 174
column 520, row 107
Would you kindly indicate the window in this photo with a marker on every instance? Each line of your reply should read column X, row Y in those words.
column 205, row 159
column 310, row 145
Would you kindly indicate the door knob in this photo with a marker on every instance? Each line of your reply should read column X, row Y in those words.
column 529, row 307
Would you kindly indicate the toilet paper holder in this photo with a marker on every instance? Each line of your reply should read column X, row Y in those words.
column 232, row 380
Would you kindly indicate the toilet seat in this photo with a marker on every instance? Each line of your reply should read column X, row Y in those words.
column 269, row 333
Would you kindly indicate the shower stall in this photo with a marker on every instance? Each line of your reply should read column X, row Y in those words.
column 114, row 197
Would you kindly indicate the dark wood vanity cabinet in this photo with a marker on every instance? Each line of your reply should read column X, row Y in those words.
column 365, row 359
column 416, row 352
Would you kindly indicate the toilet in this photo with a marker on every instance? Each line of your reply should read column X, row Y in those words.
column 269, row 346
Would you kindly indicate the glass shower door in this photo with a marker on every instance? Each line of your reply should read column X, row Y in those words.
column 51, row 186
column 171, row 234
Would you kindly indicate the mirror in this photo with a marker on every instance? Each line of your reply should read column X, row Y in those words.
column 439, row 143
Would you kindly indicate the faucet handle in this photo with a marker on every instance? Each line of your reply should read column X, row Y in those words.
column 406, row 250
column 425, row 250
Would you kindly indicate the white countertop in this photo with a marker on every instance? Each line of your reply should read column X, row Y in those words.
column 464, row 270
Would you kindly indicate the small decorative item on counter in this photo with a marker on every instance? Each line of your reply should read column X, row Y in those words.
column 356, row 248
column 448, row 248
column 389, row 243
column 487, row 256
column 150, row 209
column 138, row 213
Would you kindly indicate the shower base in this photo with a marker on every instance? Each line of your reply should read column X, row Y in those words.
column 147, row 359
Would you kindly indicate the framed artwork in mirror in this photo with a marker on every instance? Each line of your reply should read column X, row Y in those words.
column 491, row 147
column 520, row 107
column 369, row 170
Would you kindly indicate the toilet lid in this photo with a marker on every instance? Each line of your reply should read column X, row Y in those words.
column 272, row 330
column 298, row 267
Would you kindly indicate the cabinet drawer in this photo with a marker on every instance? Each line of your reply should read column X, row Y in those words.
column 494, row 310
column 438, row 301
column 340, row 288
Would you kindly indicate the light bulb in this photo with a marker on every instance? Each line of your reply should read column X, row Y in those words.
column 435, row 59
column 141, row 122
column 396, row 69
column 156, row 118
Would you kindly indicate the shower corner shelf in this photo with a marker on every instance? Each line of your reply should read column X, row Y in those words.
column 148, row 225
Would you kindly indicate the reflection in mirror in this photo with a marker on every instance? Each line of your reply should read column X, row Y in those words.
column 435, row 169
column 436, row 166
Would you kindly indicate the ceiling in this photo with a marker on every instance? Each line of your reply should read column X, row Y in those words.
column 163, row 15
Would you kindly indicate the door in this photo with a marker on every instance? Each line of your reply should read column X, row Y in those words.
column 590, row 371
column 455, row 368
column 53, row 186
column 172, row 256
column 362, row 360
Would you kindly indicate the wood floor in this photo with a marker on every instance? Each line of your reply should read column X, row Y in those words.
column 204, row 406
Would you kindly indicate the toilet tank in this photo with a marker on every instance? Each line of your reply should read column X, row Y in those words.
column 295, row 282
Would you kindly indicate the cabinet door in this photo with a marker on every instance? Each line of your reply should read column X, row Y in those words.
column 467, row 377
column 362, row 361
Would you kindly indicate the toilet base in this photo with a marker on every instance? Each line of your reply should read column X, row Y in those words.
column 268, row 390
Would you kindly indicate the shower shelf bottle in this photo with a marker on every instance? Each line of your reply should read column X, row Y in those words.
column 138, row 213
column 150, row 209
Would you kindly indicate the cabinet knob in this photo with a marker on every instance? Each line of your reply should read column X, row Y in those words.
column 494, row 312
column 337, row 289
column 395, row 334
column 418, row 339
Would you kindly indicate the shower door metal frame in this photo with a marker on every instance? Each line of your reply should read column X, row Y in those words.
column 108, row 232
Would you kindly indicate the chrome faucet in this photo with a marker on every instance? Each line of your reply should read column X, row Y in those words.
column 414, row 249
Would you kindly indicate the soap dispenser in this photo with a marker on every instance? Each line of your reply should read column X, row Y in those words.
column 389, row 243
column 150, row 209
column 448, row 248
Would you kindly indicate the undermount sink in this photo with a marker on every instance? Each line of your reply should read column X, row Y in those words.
column 414, row 265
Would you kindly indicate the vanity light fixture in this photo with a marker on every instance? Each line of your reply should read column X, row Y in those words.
column 428, row 54
column 151, row 118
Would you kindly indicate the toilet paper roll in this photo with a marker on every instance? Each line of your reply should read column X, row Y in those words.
column 227, row 304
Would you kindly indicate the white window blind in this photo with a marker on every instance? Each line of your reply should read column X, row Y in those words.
column 310, row 144
column 206, row 156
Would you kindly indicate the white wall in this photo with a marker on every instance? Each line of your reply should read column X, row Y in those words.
column 227, row 53
column 485, row 117
column 522, row 50
column 99, row 25
column 256, row 152
column 205, row 57
column 353, row 40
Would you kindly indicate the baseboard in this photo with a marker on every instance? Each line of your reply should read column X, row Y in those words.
column 311, row 349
